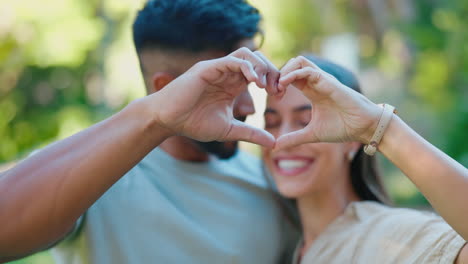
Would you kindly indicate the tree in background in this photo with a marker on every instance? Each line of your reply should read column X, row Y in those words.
column 62, row 69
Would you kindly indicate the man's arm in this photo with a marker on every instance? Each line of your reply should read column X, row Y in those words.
column 43, row 196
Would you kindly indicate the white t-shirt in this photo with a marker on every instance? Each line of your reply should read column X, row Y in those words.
column 369, row 232
column 170, row 211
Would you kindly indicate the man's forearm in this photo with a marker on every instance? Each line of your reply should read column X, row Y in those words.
column 42, row 197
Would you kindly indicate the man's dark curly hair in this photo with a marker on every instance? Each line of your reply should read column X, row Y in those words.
column 194, row 25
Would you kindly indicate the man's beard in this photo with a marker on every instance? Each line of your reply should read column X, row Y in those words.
column 222, row 150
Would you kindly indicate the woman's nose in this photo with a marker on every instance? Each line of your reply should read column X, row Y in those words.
column 285, row 128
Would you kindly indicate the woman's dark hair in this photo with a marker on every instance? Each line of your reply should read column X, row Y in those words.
column 366, row 178
column 194, row 25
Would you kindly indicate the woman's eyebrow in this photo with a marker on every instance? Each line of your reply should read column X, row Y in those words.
column 302, row 108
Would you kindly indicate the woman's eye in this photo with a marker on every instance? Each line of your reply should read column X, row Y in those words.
column 303, row 123
column 270, row 125
column 304, row 119
column 271, row 121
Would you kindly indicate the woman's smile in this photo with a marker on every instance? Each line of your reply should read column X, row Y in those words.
column 292, row 165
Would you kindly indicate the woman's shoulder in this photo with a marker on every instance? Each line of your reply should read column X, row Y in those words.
column 395, row 224
column 370, row 232
column 363, row 211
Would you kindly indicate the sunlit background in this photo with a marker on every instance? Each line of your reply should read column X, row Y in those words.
column 66, row 64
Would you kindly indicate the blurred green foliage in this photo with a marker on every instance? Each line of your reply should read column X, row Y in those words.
column 55, row 57
column 66, row 64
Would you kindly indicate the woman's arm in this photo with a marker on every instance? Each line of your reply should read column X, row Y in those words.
column 442, row 180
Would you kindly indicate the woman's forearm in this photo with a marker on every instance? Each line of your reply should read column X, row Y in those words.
column 442, row 180
column 42, row 197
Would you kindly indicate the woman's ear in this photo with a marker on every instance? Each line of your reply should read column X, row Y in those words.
column 351, row 149
column 159, row 80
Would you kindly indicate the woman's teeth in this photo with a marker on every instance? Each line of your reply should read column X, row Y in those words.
column 292, row 164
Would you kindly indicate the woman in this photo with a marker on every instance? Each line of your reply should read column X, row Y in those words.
column 338, row 193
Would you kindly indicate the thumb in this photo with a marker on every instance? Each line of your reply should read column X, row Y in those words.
column 296, row 138
column 246, row 132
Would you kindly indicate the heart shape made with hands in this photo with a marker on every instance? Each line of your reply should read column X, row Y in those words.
column 339, row 114
column 202, row 99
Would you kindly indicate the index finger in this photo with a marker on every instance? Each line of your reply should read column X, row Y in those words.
column 273, row 74
column 295, row 64
column 258, row 64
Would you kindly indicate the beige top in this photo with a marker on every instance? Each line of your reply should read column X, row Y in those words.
column 369, row 232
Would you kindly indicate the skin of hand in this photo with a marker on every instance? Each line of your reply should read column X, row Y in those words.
column 339, row 114
column 201, row 100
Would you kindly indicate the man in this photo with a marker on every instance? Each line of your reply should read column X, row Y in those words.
column 179, row 204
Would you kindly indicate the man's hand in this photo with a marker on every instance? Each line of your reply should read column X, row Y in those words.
column 339, row 113
column 199, row 103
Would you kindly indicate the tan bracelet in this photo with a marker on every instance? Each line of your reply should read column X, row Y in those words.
column 385, row 119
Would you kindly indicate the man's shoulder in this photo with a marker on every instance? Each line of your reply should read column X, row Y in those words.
column 248, row 158
column 245, row 166
column 247, row 162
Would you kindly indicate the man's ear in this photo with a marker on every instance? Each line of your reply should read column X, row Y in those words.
column 159, row 80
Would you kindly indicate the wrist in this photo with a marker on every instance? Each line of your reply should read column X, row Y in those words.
column 384, row 121
column 392, row 136
column 375, row 112
column 144, row 110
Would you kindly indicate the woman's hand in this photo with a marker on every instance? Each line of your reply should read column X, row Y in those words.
column 339, row 113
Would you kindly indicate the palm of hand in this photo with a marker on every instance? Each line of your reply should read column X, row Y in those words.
column 205, row 111
column 338, row 114
column 212, row 116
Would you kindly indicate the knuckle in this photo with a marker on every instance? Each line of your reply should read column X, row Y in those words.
column 243, row 50
column 201, row 65
column 248, row 64
column 259, row 53
column 317, row 77
column 302, row 59
column 262, row 68
column 232, row 59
